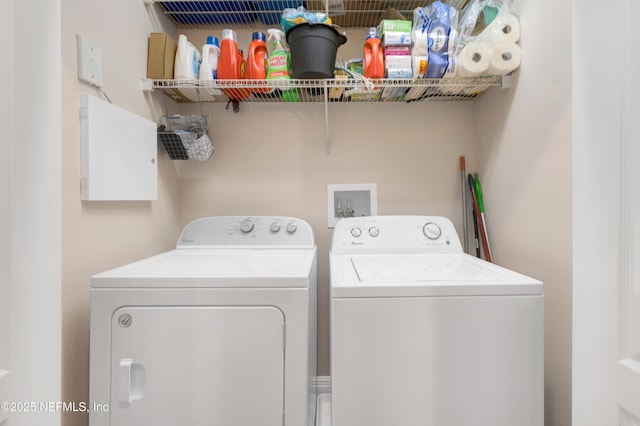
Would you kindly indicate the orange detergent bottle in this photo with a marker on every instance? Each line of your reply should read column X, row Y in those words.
column 373, row 56
column 256, row 68
column 231, row 64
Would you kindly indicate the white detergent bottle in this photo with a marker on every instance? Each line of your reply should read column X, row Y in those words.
column 210, row 54
column 188, row 60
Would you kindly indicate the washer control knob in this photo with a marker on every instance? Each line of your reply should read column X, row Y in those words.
column 247, row 226
column 275, row 227
column 374, row 231
column 432, row 231
column 356, row 232
column 292, row 227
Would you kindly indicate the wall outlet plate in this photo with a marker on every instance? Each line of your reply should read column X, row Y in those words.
column 346, row 200
column 89, row 61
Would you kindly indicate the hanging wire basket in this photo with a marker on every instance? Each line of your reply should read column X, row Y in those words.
column 186, row 137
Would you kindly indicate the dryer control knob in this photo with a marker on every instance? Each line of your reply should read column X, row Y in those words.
column 432, row 231
column 275, row 227
column 356, row 232
column 247, row 226
column 292, row 227
column 374, row 231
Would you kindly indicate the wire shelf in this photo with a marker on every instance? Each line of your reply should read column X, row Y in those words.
column 327, row 90
column 264, row 13
column 256, row 14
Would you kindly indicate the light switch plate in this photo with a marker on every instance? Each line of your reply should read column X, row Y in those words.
column 89, row 61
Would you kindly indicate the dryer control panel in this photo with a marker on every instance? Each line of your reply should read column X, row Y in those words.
column 247, row 231
column 395, row 234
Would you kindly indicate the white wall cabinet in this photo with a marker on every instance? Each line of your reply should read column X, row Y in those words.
column 119, row 153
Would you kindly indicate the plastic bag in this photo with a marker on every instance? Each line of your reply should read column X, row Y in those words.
column 292, row 17
column 489, row 32
column 434, row 37
column 488, row 21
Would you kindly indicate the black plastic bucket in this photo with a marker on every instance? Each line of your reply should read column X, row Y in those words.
column 313, row 49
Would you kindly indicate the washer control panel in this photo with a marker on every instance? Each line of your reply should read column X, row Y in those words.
column 395, row 234
column 276, row 231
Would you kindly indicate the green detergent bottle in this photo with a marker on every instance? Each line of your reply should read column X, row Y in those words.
column 279, row 63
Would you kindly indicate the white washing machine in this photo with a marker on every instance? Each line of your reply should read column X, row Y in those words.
column 220, row 331
column 423, row 334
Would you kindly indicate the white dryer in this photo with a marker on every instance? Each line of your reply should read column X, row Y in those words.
column 423, row 334
column 220, row 331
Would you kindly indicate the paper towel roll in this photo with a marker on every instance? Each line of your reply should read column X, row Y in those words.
column 505, row 57
column 474, row 60
column 437, row 65
column 452, row 68
column 420, row 65
column 452, row 44
column 420, row 41
column 505, row 27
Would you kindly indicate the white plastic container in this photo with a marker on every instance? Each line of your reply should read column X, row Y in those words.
column 210, row 54
column 188, row 60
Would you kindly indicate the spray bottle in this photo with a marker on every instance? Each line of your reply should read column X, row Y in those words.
column 279, row 64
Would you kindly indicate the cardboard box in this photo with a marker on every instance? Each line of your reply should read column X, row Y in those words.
column 161, row 56
column 395, row 32
column 396, row 25
column 397, row 51
column 399, row 73
column 336, row 92
column 402, row 61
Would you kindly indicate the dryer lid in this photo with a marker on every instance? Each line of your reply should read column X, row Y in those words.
column 216, row 268
column 410, row 275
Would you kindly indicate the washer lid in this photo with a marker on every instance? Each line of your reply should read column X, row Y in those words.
column 218, row 268
column 410, row 275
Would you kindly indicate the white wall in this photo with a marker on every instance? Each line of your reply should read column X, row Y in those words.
column 101, row 235
column 525, row 166
column 35, row 208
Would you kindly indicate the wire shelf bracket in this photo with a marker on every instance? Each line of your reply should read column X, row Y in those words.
column 328, row 91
